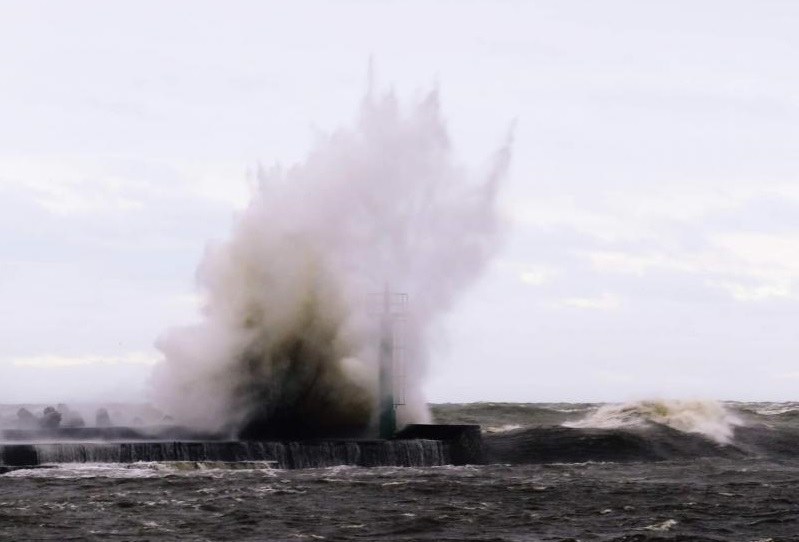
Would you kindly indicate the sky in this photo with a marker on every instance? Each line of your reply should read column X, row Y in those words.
column 651, row 209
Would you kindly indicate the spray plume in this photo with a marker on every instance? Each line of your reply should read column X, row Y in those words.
column 286, row 343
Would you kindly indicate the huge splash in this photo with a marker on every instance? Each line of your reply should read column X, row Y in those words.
column 286, row 344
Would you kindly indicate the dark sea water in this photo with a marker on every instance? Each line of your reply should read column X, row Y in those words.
column 641, row 472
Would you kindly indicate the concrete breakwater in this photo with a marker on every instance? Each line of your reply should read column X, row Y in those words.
column 411, row 448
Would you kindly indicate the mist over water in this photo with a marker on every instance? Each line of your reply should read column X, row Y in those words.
column 288, row 337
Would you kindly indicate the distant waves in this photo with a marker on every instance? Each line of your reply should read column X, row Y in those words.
column 518, row 433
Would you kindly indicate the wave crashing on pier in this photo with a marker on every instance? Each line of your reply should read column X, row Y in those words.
column 286, row 345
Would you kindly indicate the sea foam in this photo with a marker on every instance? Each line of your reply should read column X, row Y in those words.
column 709, row 418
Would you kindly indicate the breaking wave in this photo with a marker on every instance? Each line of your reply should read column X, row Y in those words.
column 710, row 418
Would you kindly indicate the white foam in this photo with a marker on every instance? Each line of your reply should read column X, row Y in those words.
column 148, row 469
column 503, row 428
column 662, row 527
column 709, row 418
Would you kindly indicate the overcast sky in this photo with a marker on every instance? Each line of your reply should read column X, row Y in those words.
column 652, row 203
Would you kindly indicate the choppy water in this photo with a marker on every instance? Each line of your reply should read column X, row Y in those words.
column 662, row 484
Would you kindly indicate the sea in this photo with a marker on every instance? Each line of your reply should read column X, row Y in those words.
column 644, row 471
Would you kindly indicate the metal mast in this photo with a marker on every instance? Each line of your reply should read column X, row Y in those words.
column 391, row 361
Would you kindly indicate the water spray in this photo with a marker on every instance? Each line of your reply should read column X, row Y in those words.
column 286, row 346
